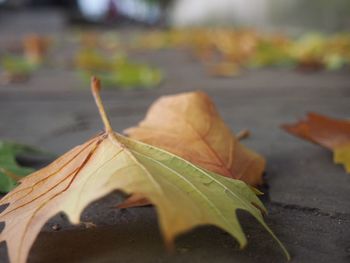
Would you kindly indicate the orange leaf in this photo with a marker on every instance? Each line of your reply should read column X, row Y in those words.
column 330, row 133
column 189, row 126
column 35, row 47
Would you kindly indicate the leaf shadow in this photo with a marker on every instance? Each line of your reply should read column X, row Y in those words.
column 132, row 235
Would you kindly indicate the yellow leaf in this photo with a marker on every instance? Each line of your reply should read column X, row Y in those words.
column 342, row 156
column 184, row 195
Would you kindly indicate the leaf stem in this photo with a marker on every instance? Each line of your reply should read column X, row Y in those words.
column 95, row 88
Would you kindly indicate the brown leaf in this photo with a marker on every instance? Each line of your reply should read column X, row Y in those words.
column 35, row 47
column 330, row 133
column 189, row 126
column 320, row 129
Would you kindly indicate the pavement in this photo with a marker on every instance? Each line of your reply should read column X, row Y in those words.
column 306, row 194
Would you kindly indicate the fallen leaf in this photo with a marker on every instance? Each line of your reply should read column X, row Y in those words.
column 330, row 133
column 272, row 51
column 184, row 195
column 16, row 69
column 90, row 59
column 342, row 156
column 117, row 71
column 249, row 48
column 189, row 126
column 35, row 48
column 10, row 170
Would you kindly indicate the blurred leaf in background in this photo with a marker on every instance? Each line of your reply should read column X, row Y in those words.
column 16, row 68
column 225, row 50
column 338, row 54
column 35, row 48
column 309, row 50
column 116, row 71
column 272, row 51
column 319, row 51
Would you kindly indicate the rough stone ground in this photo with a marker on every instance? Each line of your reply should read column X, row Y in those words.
column 307, row 195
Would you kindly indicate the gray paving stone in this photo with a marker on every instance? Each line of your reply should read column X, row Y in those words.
column 132, row 235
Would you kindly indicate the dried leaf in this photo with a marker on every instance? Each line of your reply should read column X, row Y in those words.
column 189, row 126
column 330, row 133
column 185, row 196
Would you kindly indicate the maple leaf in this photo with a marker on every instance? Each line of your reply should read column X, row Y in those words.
column 330, row 133
column 184, row 195
column 10, row 170
column 189, row 126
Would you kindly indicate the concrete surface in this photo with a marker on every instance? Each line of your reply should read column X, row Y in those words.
column 306, row 194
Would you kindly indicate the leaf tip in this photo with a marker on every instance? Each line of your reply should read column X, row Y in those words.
column 242, row 244
column 95, row 84
column 169, row 245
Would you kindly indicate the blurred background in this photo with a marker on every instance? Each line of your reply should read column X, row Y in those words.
column 226, row 36
column 146, row 48
column 297, row 15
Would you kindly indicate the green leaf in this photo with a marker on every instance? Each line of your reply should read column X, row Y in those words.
column 269, row 53
column 117, row 71
column 334, row 61
column 10, row 170
column 90, row 59
column 190, row 189
column 17, row 65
